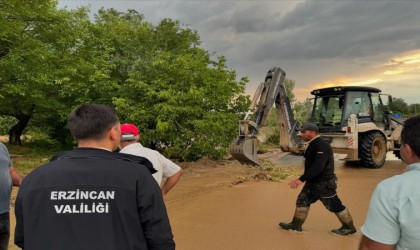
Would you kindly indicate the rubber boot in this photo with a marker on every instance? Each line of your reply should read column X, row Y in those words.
column 348, row 226
column 298, row 219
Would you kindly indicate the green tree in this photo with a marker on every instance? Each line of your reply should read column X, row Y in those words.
column 398, row 105
column 156, row 76
column 302, row 110
column 184, row 102
column 17, row 20
column 41, row 57
column 289, row 84
column 5, row 123
column 414, row 109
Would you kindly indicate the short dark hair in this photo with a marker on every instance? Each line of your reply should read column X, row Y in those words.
column 410, row 134
column 91, row 121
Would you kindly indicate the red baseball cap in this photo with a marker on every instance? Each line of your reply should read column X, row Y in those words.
column 129, row 132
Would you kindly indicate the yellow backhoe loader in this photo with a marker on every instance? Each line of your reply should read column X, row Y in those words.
column 353, row 119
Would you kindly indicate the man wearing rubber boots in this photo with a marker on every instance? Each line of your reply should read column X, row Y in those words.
column 320, row 183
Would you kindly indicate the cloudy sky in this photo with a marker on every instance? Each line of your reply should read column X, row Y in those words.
column 318, row 43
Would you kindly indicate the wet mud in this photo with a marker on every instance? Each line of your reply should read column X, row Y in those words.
column 212, row 214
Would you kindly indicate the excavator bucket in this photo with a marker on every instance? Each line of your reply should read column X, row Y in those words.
column 245, row 150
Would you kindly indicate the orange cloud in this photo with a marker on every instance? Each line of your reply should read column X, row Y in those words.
column 402, row 68
column 412, row 57
column 397, row 66
column 332, row 83
column 348, row 82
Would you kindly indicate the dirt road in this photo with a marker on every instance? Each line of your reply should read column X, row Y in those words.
column 207, row 212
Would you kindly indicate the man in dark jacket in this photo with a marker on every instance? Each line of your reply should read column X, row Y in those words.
column 320, row 183
column 91, row 197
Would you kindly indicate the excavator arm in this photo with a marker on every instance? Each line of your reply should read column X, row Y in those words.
column 269, row 93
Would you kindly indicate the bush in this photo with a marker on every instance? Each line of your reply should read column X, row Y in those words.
column 274, row 137
column 6, row 122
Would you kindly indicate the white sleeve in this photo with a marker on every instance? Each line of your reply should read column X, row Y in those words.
column 381, row 222
column 169, row 168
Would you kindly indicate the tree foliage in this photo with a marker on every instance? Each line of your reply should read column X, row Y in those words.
column 414, row 109
column 184, row 101
column 289, row 84
column 398, row 105
column 41, row 47
column 303, row 110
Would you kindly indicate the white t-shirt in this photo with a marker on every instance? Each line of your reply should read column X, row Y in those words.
column 165, row 167
column 394, row 211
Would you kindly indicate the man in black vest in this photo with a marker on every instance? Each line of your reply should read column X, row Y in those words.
column 320, row 183
column 91, row 197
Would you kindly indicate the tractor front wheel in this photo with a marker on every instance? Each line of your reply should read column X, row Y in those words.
column 372, row 150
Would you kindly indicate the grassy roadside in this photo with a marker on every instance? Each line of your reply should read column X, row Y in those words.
column 28, row 157
column 32, row 155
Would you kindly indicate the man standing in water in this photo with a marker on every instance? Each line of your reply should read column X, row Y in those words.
column 320, row 183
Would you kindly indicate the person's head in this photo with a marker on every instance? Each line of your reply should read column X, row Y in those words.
column 308, row 131
column 94, row 122
column 129, row 134
column 410, row 140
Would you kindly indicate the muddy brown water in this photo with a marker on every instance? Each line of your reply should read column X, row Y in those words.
column 208, row 212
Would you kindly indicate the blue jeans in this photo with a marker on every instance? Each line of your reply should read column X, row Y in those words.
column 4, row 231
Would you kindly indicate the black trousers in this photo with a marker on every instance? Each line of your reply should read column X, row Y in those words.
column 4, row 231
column 325, row 191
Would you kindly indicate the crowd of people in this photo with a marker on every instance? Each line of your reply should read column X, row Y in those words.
column 116, row 198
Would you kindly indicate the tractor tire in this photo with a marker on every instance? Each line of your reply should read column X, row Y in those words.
column 372, row 150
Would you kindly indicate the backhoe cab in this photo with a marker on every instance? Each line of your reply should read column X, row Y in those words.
column 353, row 119
column 357, row 123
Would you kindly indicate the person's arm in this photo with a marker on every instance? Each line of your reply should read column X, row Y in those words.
column 16, row 177
column 171, row 171
column 381, row 229
column 368, row 244
column 171, row 182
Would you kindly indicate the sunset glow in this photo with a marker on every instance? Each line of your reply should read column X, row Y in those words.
column 404, row 68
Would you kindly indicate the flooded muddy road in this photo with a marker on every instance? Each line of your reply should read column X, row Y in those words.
column 207, row 212
column 215, row 207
